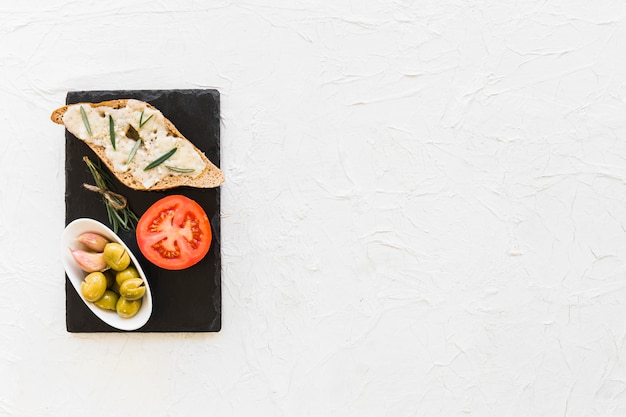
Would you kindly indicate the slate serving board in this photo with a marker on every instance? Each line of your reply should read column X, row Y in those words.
column 183, row 301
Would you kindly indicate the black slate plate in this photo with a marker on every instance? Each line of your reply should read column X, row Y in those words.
column 183, row 301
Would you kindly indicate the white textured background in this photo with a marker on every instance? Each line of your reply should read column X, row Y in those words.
column 424, row 212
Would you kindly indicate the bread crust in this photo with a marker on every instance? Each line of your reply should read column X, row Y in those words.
column 210, row 177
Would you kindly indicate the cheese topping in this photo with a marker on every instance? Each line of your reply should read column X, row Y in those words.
column 156, row 139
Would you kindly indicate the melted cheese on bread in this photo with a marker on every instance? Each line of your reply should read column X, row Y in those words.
column 156, row 140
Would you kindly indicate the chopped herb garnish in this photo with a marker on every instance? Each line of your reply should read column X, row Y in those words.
column 143, row 122
column 118, row 211
column 132, row 133
column 112, row 131
column 177, row 169
column 85, row 120
column 133, row 151
column 160, row 159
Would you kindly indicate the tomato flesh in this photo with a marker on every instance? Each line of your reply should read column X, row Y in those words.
column 174, row 233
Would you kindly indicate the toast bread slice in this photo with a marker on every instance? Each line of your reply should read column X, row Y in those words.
column 210, row 177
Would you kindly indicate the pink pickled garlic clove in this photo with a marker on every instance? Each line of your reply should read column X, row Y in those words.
column 89, row 261
column 93, row 241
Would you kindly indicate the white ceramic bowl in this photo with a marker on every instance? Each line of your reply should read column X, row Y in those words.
column 76, row 274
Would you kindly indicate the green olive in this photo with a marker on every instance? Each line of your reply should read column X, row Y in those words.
column 132, row 289
column 130, row 272
column 116, row 256
column 127, row 308
column 93, row 286
column 108, row 300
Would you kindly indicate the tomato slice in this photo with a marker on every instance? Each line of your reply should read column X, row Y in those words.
column 174, row 233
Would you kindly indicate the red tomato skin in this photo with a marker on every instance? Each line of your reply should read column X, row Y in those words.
column 174, row 233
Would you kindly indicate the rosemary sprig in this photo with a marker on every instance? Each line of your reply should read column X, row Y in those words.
column 85, row 120
column 112, row 131
column 133, row 151
column 160, row 159
column 178, row 169
column 143, row 122
column 119, row 213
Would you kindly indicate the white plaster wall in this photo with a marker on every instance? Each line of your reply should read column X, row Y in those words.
column 424, row 212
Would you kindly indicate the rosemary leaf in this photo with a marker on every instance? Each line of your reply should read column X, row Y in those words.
column 132, row 216
column 122, row 222
column 112, row 131
column 178, row 169
column 85, row 120
column 110, row 216
column 160, row 159
column 133, row 151
column 143, row 122
column 98, row 177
